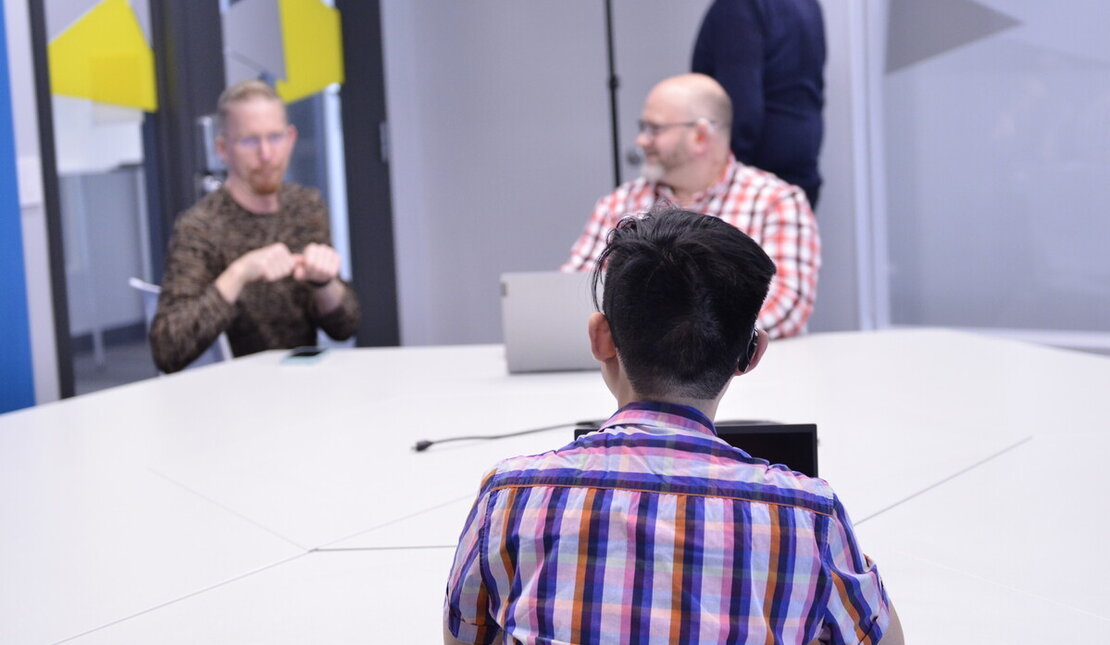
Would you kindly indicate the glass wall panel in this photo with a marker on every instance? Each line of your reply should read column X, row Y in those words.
column 997, row 145
column 102, row 81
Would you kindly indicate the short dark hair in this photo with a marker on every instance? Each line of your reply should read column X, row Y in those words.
column 681, row 293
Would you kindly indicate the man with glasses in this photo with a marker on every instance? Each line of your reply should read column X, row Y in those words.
column 684, row 135
column 253, row 258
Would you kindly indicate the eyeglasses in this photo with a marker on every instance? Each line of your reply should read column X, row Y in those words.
column 653, row 129
column 254, row 142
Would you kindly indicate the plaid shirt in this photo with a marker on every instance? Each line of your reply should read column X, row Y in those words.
column 774, row 213
column 657, row 531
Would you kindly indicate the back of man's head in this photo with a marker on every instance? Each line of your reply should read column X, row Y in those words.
column 681, row 294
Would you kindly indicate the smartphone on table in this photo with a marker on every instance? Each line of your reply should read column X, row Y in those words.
column 304, row 355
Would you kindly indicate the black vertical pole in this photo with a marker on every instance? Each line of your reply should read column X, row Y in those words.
column 366, row 148
column 50, row 199
column 189, row 64
column 614, row 83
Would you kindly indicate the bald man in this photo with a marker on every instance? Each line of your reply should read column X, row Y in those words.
column 684, row 135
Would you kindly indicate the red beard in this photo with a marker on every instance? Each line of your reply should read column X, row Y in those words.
column 266, row 181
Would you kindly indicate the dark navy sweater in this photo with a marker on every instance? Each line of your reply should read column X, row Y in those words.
column 769, row 55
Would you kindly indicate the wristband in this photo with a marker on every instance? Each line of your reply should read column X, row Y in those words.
column 319, row 285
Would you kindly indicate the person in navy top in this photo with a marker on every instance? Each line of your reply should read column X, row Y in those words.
column 770, row 56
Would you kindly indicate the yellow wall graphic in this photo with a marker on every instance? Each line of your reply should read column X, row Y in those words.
column 105, row 57
column 313, row 48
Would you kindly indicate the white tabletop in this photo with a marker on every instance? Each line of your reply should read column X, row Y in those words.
column 259, row 502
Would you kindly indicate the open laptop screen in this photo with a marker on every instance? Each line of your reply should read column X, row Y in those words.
column 793, row 445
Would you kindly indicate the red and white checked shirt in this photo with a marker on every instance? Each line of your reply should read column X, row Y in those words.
column 774, row 213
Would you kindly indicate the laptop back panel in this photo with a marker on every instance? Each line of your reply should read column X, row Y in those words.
column 543, row 320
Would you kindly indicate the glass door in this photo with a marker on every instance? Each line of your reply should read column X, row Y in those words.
column 131, row 152
column 102, row 82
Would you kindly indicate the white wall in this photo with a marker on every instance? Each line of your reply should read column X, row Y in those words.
column 35, row 253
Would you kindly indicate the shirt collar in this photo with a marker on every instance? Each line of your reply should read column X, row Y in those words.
column 717, row 188
column 668, row 417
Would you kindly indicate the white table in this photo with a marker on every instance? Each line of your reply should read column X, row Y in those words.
column 258, row 502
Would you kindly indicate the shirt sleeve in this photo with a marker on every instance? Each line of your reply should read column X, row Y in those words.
column 584, row 253
column 857, row 608
column 342, row 322
column 191, row 312
column 790, row 238
column 466, row 607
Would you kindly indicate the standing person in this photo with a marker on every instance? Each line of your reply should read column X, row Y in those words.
column 684, row 133
column 253, row 258
column 654, row 529
column 769, row 55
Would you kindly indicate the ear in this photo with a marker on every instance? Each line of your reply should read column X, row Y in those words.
column 601, row 338
column 292, row 135
column 703, row 132
column 221, row 146
column 760, row 347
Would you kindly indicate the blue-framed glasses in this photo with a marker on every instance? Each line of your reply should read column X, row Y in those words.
column 254, row 142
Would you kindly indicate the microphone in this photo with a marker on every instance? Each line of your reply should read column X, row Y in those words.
column 424, row 444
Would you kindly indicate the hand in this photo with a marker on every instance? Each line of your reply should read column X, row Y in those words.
column 269, row 264
column 318, row 263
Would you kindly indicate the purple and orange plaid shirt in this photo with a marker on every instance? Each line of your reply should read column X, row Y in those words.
column 655, row 530
column 774, row 213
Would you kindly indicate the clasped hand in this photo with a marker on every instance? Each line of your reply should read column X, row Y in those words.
column 317, row 263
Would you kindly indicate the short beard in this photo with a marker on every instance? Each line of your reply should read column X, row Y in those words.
column 265, row 187
column 652, row 171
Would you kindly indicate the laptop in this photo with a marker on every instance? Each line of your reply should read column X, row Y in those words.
column 793, row 445
column 543, row 320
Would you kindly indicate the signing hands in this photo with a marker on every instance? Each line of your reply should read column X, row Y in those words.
column 317, row 265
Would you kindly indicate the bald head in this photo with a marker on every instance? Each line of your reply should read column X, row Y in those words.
column 684, row 133
column 700, row 96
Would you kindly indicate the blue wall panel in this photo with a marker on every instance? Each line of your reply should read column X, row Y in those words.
column 17, row 385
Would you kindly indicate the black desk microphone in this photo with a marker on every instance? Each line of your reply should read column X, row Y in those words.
column 424, row 444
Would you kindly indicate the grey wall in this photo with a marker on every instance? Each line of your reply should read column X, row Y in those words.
column 653, row 39
column 499, row 130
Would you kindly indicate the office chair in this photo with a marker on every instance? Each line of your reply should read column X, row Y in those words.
column 219, row 351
